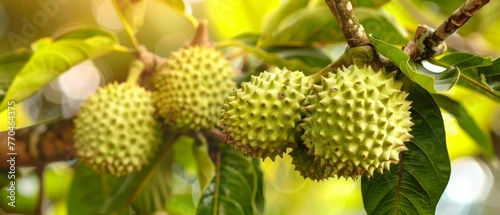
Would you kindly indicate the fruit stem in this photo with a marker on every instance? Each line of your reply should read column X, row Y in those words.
column 341, row 61
column 136, row 68
column 201, row 37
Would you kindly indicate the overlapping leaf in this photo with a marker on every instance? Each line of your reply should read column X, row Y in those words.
column 478, row 73
column 416, row 184
column 52, row 59
column 431, row 81
column 318, row 26
column 466, row 122
column 236, row 187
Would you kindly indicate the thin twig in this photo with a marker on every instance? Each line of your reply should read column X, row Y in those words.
column 353, row 31
column 429, row 43
column 127, row 27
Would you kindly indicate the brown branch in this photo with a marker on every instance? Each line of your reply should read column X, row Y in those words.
column 353, row 31
column 38, row 145
column 429, row 43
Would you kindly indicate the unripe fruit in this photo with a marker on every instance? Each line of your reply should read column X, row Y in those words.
column 357, row 122
column 191, row 88
column 116, row 131
column 309, row 166
column 261, row 119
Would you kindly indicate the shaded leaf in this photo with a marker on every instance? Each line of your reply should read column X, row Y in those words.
column 318, row 26
column 416, row 184
column 53, row 59
column 85, row 33
column 183, row 8
column 158, row 191
column 235, row 188
column 466, row 122
column 271, row 58
column 432, row 82
column 91, row 193
column 477, row 73
column 10, row 64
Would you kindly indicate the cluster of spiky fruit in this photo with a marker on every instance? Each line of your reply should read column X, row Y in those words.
column 116, row 130
column 355, row 122
column 191, row 88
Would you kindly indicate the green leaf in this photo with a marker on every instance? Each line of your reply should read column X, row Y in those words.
column 311, row 56
column 273, row 19
column 183, row 8
column 91, row 193
column 10, row 64
column 477, row 73
column 51, row 60
column 369, row 3
column 158, row 191
column 271, row 58
column 415, row 185
column 431, row 81
column 206, row 168
column 236, row 188
column 85, row 33
column 309, row 26
column 466, row 122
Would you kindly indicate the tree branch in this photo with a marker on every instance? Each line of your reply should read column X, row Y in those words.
column 429, row 43
column 353, row 31
column 41, row 144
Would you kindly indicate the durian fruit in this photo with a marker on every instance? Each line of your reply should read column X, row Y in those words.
column 357, row 122
column 309, row 166
column 191, row 88
column 261, row 119
column 116, row 130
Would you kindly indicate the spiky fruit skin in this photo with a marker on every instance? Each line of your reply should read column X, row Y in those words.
column 191, row 88
column 116, row 130
column 261, row 118
column 357, row 122
column 308, row 166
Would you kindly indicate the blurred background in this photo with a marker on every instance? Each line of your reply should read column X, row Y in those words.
column 474, row 186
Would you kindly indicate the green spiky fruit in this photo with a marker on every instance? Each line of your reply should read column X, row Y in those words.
column 116, row 130
column 191, row 88
column 261, row 119
column 357, row 122
column 309, row 166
